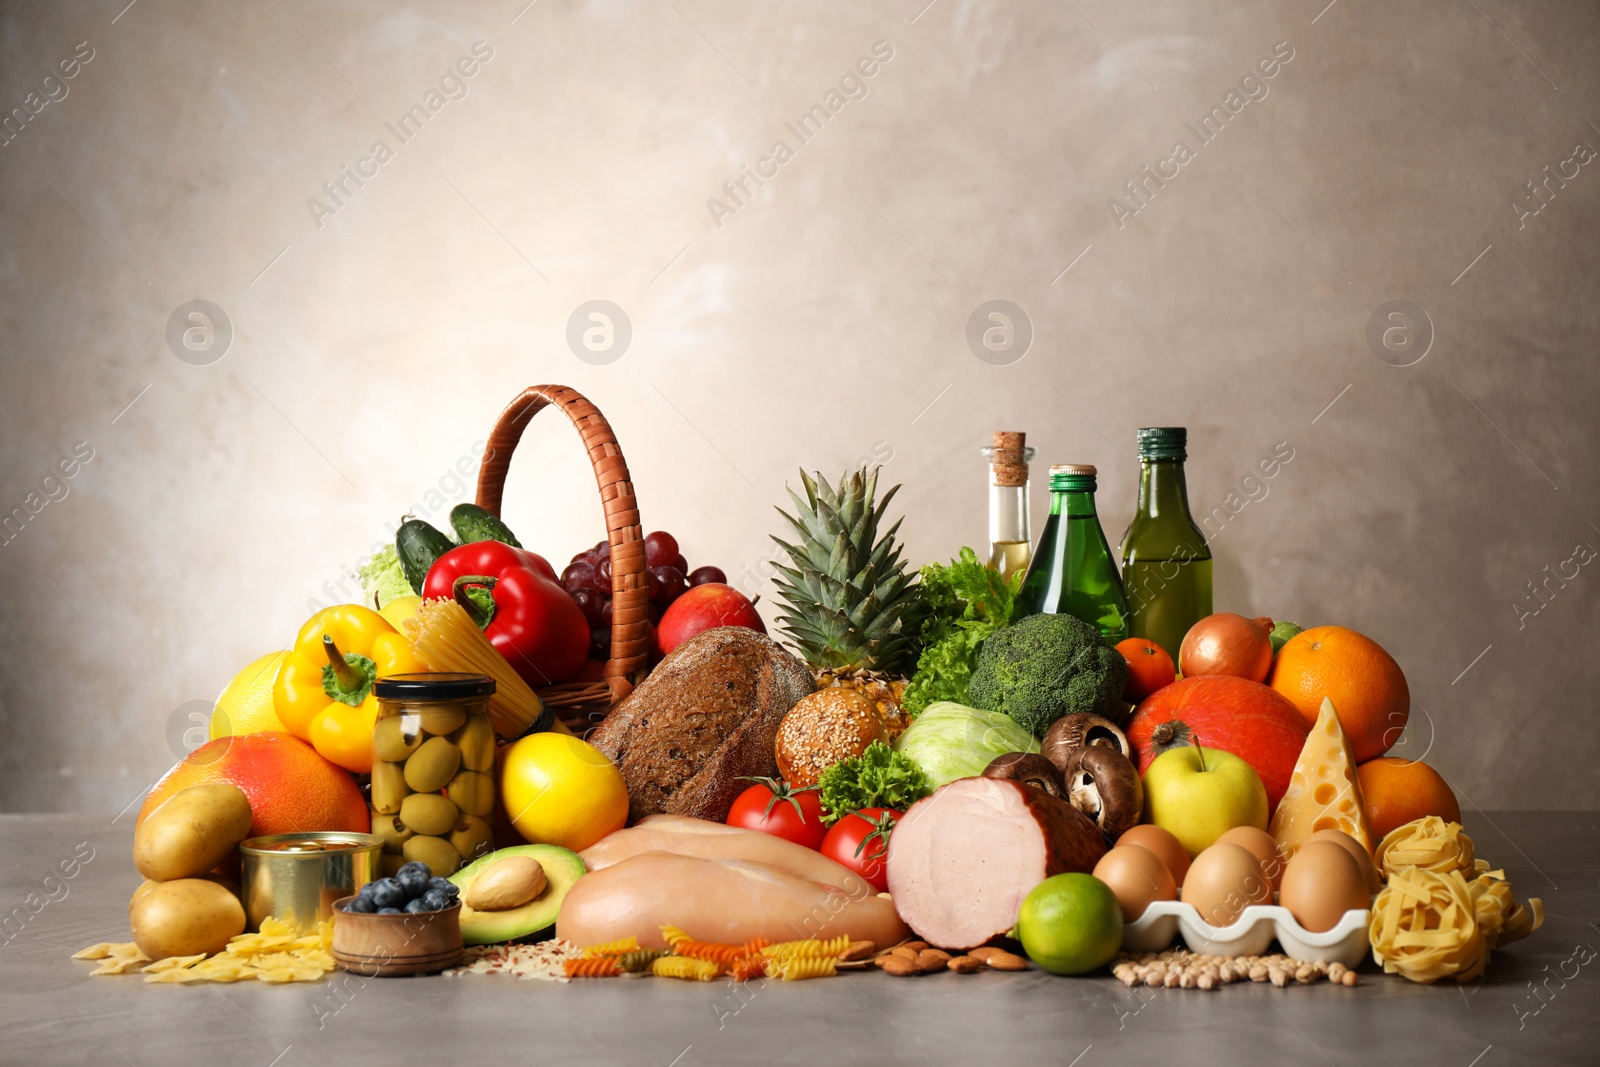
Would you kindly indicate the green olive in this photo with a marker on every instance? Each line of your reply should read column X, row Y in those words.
column 388, row 787
column 476, row 741
column 432, row 765
column 395, row 737
column 472, row 791
column 391, row 831
column 428, row 813
column 436, row 852
column 441, row 720
column 472, row 837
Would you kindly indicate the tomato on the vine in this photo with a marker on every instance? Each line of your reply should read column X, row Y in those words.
column 772, row 807
column 860, row 841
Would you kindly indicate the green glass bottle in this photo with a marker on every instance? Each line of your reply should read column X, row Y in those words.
column 1166, row 565
column 1073, row 571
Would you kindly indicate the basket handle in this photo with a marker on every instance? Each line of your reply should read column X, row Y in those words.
column 630, row 597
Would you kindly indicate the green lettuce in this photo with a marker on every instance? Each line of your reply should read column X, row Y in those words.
column 383, row 579
column 950, row 741
column 878, row 778
column 963, row 602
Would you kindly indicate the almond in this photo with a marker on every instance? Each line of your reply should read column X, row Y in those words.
column 898, row 966
column 965, row 964
column 858, row 950
column 932, row 959
column 1006, row 961
column 985, row 952
column 906, row 952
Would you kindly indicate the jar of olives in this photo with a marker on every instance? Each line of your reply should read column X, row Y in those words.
column 433, row 788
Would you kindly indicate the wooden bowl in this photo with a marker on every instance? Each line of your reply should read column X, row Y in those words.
column 383, row 946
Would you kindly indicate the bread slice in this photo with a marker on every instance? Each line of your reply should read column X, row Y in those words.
column 707, row 715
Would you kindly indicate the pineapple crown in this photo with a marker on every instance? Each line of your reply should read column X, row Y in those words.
column 847, row 589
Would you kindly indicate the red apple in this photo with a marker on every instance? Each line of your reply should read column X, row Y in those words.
column 702, row 608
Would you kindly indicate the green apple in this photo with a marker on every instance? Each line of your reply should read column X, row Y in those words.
column 1199, row 794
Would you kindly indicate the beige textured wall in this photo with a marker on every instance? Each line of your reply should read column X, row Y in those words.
column 820, row 321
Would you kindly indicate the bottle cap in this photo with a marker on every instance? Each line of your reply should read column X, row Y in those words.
column 1163, row 442
column 1073, row 468
column 1008, row 458
column 1072, row 478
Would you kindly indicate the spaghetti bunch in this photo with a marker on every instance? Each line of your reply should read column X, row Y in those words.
column 446, row 639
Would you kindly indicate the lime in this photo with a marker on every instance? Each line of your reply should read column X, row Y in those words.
column 1281, row 634
column 246, row 706
column 1070, row 924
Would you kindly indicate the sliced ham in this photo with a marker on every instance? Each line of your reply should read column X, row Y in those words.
column 684, row 836
column 961, row 860
column 717, row 900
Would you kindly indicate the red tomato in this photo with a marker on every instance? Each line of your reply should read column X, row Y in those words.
column 860, row 841
column 772, row 807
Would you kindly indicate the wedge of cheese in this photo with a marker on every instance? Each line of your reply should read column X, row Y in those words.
column 1323, row 792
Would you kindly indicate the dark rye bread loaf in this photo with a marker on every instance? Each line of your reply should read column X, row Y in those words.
column 706, row 715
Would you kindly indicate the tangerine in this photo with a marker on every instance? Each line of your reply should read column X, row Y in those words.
column 290, row 787
column 1396, row 791
column 1149, row 668
column 1364, row 682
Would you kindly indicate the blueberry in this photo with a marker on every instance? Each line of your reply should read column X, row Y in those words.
column 415, row 866
column 435, row 900
column 419, row 905
column 365, row 892
column 386, row 893
column 445, row 886
column 361, row 904
column 388, row 911
column 413, row 881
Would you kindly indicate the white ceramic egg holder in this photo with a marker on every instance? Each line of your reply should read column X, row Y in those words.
column 1249, row 935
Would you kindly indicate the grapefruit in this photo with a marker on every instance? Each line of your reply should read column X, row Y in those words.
column 1364, row 682
column 1236, row 715
column 1396, row 791
column 291, row 789
column 246, row 705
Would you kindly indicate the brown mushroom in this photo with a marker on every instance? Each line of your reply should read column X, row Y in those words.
column 1072, row 732
column 1104, row 785
column 1030, row 769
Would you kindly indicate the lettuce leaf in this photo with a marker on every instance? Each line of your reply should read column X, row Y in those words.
column 963, row 602
column 878, row 778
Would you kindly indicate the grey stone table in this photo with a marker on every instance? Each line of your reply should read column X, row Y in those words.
column 1537, row 1004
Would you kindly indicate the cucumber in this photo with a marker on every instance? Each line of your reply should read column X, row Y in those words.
column 418, row 544
column 473, row 523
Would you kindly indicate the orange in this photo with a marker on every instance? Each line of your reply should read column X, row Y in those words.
column 1364, row 682
column 1395, row 791
column 1149, row 668
column 291, row 789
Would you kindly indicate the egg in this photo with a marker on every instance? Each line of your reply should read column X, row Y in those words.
column 1137, row 877
column 1162, row 842
column 1352, row 846
column 1321, row 883
column 1259, row 844
column 1223, row 881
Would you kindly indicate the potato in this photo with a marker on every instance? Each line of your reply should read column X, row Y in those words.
column 194, row 831
column 184, row 917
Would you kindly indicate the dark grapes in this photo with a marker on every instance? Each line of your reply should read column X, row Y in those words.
column 660, row 549
column 578, row 575
column 681, row 563
column 655, row 611
column 590, row 602
column 605, row 613
column 666, row 584
column 602, row 577
column 600, row 643
column 601, row 550
column 702, row 575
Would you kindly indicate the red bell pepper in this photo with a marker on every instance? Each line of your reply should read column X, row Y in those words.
column 513, row 596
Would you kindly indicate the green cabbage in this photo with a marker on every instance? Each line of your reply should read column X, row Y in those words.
column 950, row 741
column 383, row 579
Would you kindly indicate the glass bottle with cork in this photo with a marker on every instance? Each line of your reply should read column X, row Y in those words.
column 1010, row 531
column 1165, row 562
column 1073, row 572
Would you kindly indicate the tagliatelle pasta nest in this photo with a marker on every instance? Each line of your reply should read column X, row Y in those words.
column 1429, row 843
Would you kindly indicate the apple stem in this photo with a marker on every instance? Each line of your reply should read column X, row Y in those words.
column 1199, row 752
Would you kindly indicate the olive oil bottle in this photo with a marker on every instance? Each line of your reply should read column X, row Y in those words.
column 1073, row 571
column 1166, row 565
column 1010, row 533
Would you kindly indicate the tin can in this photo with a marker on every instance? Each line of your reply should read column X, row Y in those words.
column 297, row 877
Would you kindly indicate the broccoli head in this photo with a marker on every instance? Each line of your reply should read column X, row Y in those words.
column 1046, row 666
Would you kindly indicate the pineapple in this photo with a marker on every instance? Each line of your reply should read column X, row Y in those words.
column 847, row 590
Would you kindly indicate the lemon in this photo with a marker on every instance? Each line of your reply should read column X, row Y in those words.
column 245, row 706
column 559, row 790
column 400, row 609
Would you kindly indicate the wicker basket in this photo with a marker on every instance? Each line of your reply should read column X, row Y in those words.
column 581, row 704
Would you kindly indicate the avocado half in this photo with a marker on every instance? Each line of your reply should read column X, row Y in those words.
column 561, row 869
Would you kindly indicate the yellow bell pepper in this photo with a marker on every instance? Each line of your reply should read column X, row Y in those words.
column 324, row 689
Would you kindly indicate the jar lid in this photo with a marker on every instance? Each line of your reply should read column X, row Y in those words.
column 442, row 686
